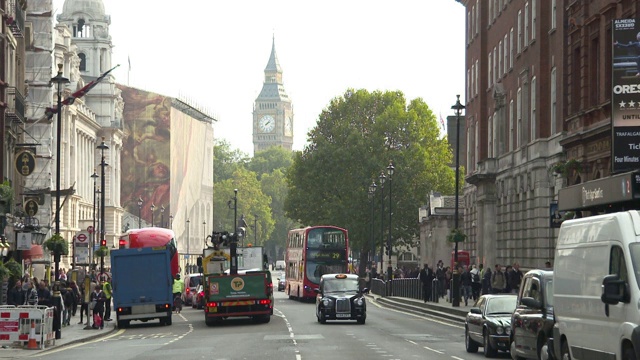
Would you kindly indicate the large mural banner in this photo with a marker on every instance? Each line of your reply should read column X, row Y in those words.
column 146, row 156
column 625, row 98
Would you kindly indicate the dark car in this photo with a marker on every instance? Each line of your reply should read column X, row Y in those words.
column 339, row 298
column 191, row 282
column 281, row 284
column 488, row 324
column 197, row 298
column 532, row 321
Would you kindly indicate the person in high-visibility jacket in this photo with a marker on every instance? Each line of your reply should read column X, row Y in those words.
column 178, row 288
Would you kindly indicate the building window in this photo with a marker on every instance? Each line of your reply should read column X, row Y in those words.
column 594, row 71
column 554, row 101
column 469, row 27
column 519, row 118
column 533, row 20
column 469, row 85
column 511, row 126
column 477, row 22
column 83, row 62
column 495, row 65
column 489, row 66
column 519, row 31
column 490, row 13
column 534, row 134
column 475, row 83
column 511, row 49
column 553, row 14
column 500, row 59
column 506, row 55
column 490, row 136
column 525, row 34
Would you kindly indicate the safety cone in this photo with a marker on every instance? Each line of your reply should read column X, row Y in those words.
column 33, row 344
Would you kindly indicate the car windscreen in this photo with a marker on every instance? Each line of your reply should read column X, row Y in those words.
column 501, row 305
column 340, row 285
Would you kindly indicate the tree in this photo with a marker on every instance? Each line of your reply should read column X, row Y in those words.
column 355, row 138
column 274, row 185
column 273, row 158
column 250, row 201
column 226, row 161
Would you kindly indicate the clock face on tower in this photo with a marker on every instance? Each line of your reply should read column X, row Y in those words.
column 288, row 126
column 267, row 123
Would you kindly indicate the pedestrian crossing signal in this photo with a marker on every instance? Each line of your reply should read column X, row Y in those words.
column 103, row 242
column 122, row 243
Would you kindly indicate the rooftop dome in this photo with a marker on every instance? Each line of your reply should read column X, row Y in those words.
column 94, row 8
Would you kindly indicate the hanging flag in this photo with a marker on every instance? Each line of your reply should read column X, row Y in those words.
column 441, row 121
column 49, row 112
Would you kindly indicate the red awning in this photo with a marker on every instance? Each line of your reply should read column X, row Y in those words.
column 34, row 254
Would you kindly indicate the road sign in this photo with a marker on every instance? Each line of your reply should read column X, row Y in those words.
column 90, row 229
column 81, row 239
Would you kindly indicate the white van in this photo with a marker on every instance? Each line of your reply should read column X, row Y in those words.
column 596, row 289
column 280, row 265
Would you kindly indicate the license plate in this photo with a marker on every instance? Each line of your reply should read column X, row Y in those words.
column 343, row 315
column 213, row 309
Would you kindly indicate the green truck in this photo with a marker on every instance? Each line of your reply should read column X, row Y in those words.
column 247, row 293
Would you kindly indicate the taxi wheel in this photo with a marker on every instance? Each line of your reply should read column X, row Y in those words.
column 361, row 321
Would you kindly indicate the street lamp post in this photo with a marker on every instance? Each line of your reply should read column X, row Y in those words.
column 372, row 191
column 382, row 179
column 255, row 230
column 204, row 229
column 103, row 230
column 153, row 208
column 458, row 107
column 188, row 222
column 140, row 212
column 390, row 170
column 171, row 221
column 94, row 176
column 59, row 80
column 162, row 216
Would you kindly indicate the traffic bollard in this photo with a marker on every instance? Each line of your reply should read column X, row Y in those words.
column 434, row 290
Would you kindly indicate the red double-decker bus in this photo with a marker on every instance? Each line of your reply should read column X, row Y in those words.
column 152, row 237
column 312, row 252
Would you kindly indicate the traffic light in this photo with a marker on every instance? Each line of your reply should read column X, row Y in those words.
column 122, row 243
column 103, row 242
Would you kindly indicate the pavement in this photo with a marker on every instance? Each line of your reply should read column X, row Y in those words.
column 70, row 335
column 81, row 333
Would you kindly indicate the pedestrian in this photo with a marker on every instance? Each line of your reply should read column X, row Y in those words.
column 426, row 277
column 76, row 297
column 486, row 281
column 515, row 278
column 466, row 280
column 84, row 304
column 497, row 280
column 547, row 265
column 31, row 295
column 476, row 285
column 44, row 295
column 507, row 279
column 97, row 301
column 15, row 296
column 108, row 291
column 440, row 275
column 67, row 300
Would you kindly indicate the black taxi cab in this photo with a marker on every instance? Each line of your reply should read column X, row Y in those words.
column 339, row 298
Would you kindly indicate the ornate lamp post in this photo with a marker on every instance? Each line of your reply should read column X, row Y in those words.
column 94, row 176
column 204, row 229
column 390, row 170
column 140, row 212
column 103, row 229
column 59, row 80
column 381, row 180
column 372, row 191
column 458, row 107
column 153, row 208
column 188, row 222
column 162, row 216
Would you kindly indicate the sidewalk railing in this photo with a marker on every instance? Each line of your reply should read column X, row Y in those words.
column 407, row 287
column 15, row 324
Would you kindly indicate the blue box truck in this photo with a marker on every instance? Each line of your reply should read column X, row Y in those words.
column 142, row 284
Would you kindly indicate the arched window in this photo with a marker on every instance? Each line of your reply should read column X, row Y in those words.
column 83, row 62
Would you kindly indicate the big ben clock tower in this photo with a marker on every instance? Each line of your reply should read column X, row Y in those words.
column 272, row 112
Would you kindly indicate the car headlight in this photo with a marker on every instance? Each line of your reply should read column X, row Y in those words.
column 326, row 302
column 359, row 301
column 499, row 330
column 507, row 330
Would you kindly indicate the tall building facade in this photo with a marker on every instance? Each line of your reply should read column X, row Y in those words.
column 539, row 130
column 514, row 127
column 273, row 111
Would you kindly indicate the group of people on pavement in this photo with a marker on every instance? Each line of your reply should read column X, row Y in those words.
column 97, row 301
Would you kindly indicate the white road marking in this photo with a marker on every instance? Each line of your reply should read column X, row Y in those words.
column 291, row 334
column 457, row 358
column 413, row 342
column 77, row 345
column 434, row 350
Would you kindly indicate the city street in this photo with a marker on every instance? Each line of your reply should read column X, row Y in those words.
column 293, row 333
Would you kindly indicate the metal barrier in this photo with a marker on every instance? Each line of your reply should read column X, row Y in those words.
column 15, row 324
column 435, row 293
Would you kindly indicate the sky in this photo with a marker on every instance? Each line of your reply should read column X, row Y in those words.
column 214, row 53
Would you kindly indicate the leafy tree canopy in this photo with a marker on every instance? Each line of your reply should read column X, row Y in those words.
column 355, row 139
column 226, row 161
column 266, row 161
